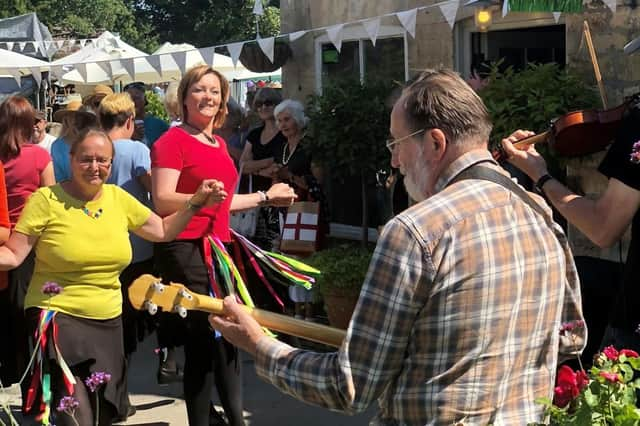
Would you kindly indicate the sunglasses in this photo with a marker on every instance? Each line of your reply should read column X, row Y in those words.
column 267, row 103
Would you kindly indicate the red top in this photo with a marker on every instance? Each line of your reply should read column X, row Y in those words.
column 4, row 210
column 22, row 174
column 176, row 149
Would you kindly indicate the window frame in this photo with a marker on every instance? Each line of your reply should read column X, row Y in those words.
column 357, row 33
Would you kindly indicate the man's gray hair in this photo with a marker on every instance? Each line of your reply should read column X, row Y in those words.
column 441, row 99
column 295, row 108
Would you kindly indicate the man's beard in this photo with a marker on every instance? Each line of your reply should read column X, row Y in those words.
column 415, row 180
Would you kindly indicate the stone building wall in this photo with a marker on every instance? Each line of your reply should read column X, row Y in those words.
column 434, row 46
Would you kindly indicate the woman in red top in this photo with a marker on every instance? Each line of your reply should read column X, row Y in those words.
column 183, row 156
column 27, row 167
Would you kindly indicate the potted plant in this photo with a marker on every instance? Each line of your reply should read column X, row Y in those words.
column 343, row 270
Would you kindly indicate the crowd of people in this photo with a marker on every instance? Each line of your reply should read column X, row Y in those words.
column 459, row 317
column 116, row 195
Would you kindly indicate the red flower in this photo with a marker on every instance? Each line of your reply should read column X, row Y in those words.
column 567, row 388
column 629, row 353
column 611, row 353
column 582, row 380
column 610, row 377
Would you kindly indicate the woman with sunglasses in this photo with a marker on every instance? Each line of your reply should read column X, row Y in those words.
column 79, row 229
column 258, row 158
column 27, row 167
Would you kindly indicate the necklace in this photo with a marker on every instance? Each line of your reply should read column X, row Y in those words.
column 94, row 215
column 285, row 159
column 210, row 139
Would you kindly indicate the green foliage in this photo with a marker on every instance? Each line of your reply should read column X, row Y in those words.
column 609, row 398
column 349, row 123
column 155, row 106
column 533, row 97
column 204, row 23
column 342, row 267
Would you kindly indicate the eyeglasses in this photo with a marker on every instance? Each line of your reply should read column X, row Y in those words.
column 88, row 161
column 267, row 104
column 392, row 142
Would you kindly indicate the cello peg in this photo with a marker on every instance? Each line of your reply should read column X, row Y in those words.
column 152, row 308
column 185, row 294
column 180, row 310
column 158, row 287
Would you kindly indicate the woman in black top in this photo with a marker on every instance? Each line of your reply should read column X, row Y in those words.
column 256, row 160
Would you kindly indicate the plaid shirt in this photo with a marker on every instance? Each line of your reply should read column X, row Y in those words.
column 458, row 319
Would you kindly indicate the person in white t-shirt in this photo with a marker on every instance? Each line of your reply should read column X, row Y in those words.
column 40, row 135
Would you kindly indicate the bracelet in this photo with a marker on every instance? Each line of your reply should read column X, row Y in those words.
column 540, row 182
column 193, row 207
column 264, row 197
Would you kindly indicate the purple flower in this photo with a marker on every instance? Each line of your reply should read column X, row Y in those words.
column 68, row 404
column 51, row 289
column 96, row 379
column 570, row 326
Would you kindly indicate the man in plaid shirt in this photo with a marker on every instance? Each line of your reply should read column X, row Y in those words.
column 458, row 319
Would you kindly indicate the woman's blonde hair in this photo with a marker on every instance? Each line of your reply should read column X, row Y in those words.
column 115, row 110
column 194, row 75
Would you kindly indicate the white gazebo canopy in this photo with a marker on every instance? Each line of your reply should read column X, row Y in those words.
column 98, row 62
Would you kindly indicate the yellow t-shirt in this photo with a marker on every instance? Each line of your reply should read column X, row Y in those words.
column 82, row 246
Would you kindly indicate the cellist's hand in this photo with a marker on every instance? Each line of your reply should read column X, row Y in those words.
column 527, row 159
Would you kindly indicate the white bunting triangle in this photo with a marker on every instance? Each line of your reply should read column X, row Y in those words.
column 82, row 69
column 106, row 67
column 83, row 42
column 611, row 4
column 335, row 35
column 556, row 16
column 372, row 27
column 9, row 45
column 47, row 44
column 208, row 55
column 15, row 73
column 129, row 67
column 37, row 75
column 266, row 44
column 257, row 8
column 234, row 50
column 154, row 61
column 22, row 45
column 505, row 8
column 181, row 60
column 298, row 34
column 450, row 10
column 59, row 44
column 408, row 20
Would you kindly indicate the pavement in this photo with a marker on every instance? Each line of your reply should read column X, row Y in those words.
column 164, row 405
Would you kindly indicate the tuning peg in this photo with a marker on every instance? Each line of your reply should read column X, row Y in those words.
column 158, row 287
column 185, row 294
column 180, row 310
column 152, row 308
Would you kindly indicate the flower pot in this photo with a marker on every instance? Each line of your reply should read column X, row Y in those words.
column 339, row 306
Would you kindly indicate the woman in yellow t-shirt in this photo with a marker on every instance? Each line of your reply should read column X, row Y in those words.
column 79, row 230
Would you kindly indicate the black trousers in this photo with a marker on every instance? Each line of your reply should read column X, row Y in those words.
column 209, row 361
column 135, row 323
column 14, row 351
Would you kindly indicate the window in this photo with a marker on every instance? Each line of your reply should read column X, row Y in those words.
column 359, row 58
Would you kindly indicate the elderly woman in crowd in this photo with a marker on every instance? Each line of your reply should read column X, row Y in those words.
column 27, row 167
column 80, row 229
column 182, row 156
column 293, row 165
column 257, row 158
